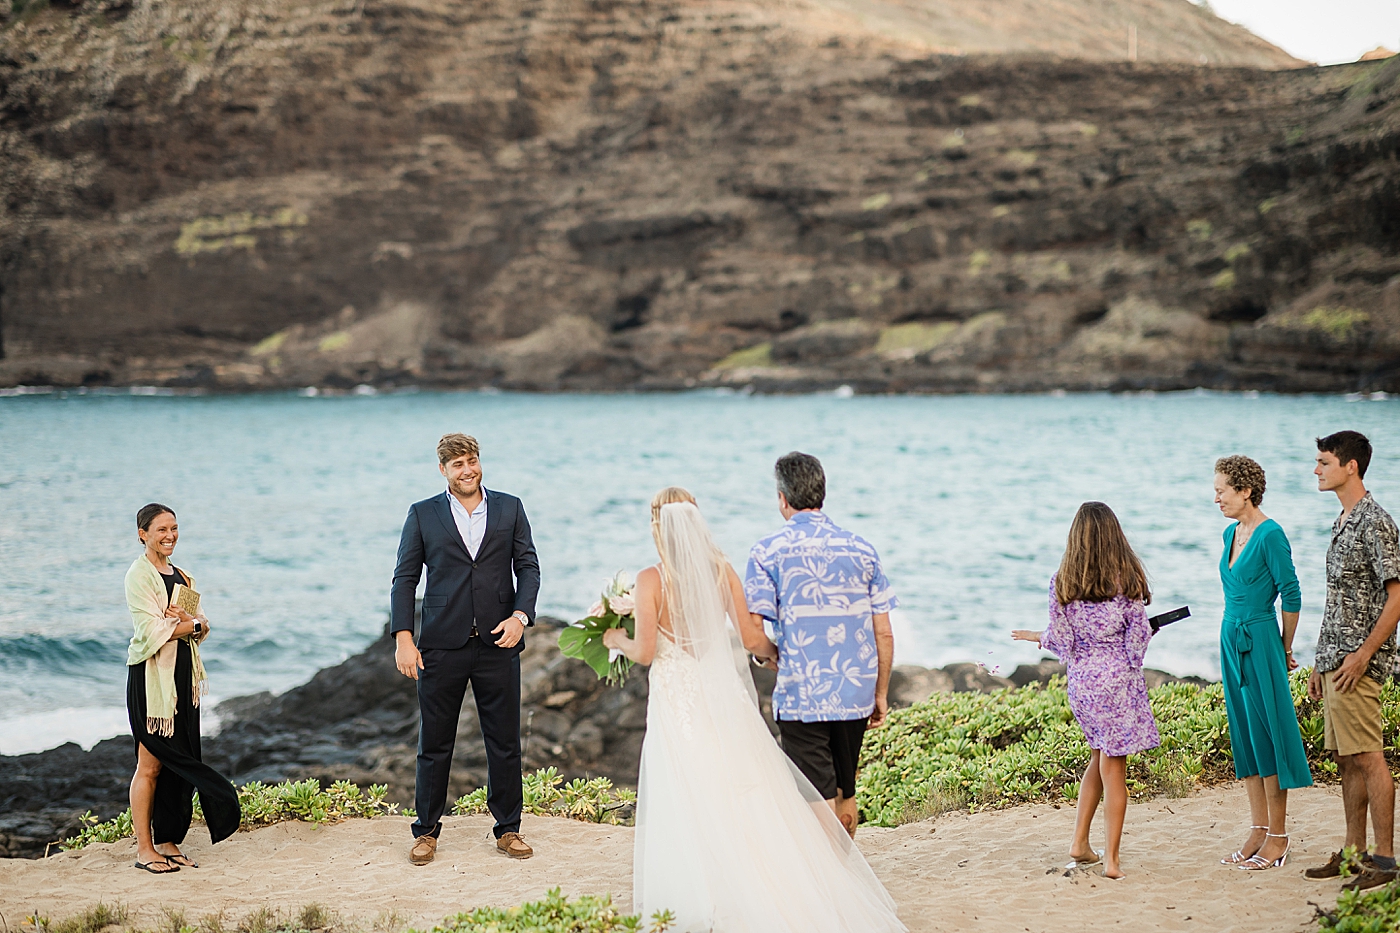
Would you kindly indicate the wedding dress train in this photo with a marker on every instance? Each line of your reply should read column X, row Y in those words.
column 730, row 836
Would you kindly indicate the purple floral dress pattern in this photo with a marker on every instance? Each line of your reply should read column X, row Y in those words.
column 1103, row 644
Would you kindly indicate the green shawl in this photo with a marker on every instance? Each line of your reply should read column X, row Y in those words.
column 152, row 644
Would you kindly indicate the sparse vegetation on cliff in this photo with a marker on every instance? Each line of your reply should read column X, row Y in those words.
column 216, row 174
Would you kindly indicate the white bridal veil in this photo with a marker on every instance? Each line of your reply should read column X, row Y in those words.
column 698, row 600
column 730, row 836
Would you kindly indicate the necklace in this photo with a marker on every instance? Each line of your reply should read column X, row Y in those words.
column 1240, row 542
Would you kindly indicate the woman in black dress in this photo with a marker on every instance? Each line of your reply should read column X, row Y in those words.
column 165, row 680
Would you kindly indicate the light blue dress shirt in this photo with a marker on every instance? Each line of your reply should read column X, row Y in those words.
column 819, row 585
column 470, row 525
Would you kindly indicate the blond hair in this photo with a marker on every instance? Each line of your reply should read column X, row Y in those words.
column 452, row 446
column 665, row 497
column 1099, row 563
column 670, row 590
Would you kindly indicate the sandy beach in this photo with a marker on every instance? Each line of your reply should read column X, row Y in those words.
column 995, row 871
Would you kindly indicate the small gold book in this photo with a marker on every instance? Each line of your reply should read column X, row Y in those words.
column 186, row 598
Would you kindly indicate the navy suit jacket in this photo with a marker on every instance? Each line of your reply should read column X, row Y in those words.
column 461, row 591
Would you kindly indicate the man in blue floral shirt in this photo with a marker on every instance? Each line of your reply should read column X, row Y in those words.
column 822, row 589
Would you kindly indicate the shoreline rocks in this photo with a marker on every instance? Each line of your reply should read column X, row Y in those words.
column 358, row 721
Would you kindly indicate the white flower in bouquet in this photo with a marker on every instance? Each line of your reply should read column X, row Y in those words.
column 620, row 585
column 584, row 639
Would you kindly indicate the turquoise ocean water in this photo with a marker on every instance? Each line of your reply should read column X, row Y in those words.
column 290, row 509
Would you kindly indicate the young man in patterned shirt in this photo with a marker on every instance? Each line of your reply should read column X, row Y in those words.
column 1356, row 652
column 825, row 594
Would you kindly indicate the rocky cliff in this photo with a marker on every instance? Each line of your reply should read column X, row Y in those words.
column 597, row 194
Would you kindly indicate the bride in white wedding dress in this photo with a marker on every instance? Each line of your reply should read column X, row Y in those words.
column 730, row 836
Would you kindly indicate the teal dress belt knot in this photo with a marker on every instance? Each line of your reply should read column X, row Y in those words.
column 1241, row 632
column 1264, row 734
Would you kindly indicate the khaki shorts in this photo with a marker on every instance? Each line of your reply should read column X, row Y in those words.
column 1352, row 720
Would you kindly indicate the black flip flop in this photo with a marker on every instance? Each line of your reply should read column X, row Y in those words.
column 146, row 866
column 185, row 860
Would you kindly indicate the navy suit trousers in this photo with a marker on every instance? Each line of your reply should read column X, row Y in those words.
column 494, row 676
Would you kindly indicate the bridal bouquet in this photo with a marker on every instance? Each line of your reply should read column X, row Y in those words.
column 584, row 639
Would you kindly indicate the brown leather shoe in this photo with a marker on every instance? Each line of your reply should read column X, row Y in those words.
column 424, row 848
column 1370, row 877
column 1333, row 868
column 511, row 844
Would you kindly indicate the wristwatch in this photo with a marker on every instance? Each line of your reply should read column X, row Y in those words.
column 198, row 628
column 524, row 619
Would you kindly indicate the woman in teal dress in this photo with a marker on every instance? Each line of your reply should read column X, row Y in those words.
column 1255, row 570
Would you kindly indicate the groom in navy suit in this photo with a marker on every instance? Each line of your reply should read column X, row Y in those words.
column 483, row 578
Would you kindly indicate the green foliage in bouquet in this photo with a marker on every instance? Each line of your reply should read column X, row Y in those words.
column 263, row 804
column 584, row 639
column 546, row 794
column 973, row 750
column 554, row 914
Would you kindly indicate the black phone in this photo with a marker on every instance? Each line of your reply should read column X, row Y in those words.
column 1167, row 618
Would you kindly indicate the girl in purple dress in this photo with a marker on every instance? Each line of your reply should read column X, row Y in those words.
column 1098, row 627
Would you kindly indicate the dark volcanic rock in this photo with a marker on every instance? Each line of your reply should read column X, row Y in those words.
column 43, row 795
column 1037, row 673
column 910, row 684
column 974, row 678
column 358, row 721
column 1049, row 667
column 624, row 195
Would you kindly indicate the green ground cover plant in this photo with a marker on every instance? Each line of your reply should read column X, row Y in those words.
column 263, row 804
column 546, row 794
column 1373, row 911
column 555, row 914
column 978, row 751
column 92, row 920
column 981, row 751
column 312, row 918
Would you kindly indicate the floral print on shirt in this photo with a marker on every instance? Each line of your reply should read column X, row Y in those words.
column 1364, row 554
column 819, row 585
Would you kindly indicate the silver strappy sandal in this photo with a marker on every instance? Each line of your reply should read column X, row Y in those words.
column 1257, row 862
column 1239, row 855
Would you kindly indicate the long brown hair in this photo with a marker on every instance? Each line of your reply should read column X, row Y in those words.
column 1099, row 563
